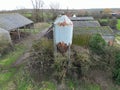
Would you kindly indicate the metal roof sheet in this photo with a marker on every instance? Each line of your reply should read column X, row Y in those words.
column 81, row 18
column 104, row 30
column 86, row 23
column 13, row 21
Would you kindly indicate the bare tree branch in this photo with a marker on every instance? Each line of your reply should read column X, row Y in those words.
column 37, row 5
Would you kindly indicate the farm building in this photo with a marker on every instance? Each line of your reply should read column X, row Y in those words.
column 14, row 22
column 106, row 32
column 81, row 18
column 84, row 27
column 86, row 23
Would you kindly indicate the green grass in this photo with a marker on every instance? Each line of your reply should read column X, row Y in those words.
column 27, row 15
column 10, row 58
column 6, row 76
column 6, row 71
column 81, row 40
column 103, row 20
column 46, row 85
column 118, row 24
column 37, row 28
column 13, row 78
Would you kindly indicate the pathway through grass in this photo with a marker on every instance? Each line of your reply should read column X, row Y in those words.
column 9, row 74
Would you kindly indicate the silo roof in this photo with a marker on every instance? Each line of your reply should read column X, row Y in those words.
column 12, row 21
column 63, row 21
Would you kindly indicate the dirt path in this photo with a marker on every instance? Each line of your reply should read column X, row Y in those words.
column 28, row 42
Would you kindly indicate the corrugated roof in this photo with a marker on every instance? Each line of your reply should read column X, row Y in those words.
column 81, row 18
column 86, row 23
column 104, row 30
column 13, row 21
column 3, row 30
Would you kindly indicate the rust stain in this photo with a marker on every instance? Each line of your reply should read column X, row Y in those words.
column 62, row 47
column 64, row 24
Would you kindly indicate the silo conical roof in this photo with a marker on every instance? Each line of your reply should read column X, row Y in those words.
column 63, row 21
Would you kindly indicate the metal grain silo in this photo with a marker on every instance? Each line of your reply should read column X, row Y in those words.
column 63, row 33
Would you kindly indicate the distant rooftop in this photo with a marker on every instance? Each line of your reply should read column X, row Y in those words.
column 103, row 30
column 81, row 18
column 86, row 23
column 11, row 21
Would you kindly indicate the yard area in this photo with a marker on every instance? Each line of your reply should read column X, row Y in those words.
column 11, row 74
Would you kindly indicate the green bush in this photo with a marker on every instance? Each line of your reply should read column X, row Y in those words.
column 97, row 44
column 116, row 70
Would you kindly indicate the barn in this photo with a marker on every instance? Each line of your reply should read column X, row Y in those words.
column 84, row 22
column 105, row 31
column 81, row 18
column 14, row 22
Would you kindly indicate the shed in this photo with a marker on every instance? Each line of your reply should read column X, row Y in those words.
column 81, row 18
column 86, row 23
column 105, row 31
column 14, row 21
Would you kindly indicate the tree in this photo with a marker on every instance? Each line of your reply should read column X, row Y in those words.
column 54, row 9
column 37, row 5
column 97, row 44
column 113, row 23
column 107, row 11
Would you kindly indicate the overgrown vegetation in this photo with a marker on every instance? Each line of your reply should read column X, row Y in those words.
column 113, row 23
column 97, row 44
column 116, row 70
column 44, row 71
column 81, row 40
column 43, row 67
column 118, row 24
column 7, row 72
column 16, row 77
column 9, row 58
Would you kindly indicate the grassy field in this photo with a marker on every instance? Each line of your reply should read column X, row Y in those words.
column 118, row 25
column 16, row 78
column 7, row 72
column 12, row 77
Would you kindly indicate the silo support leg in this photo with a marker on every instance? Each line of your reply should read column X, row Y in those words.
column 69, row 62
column 18, row 33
